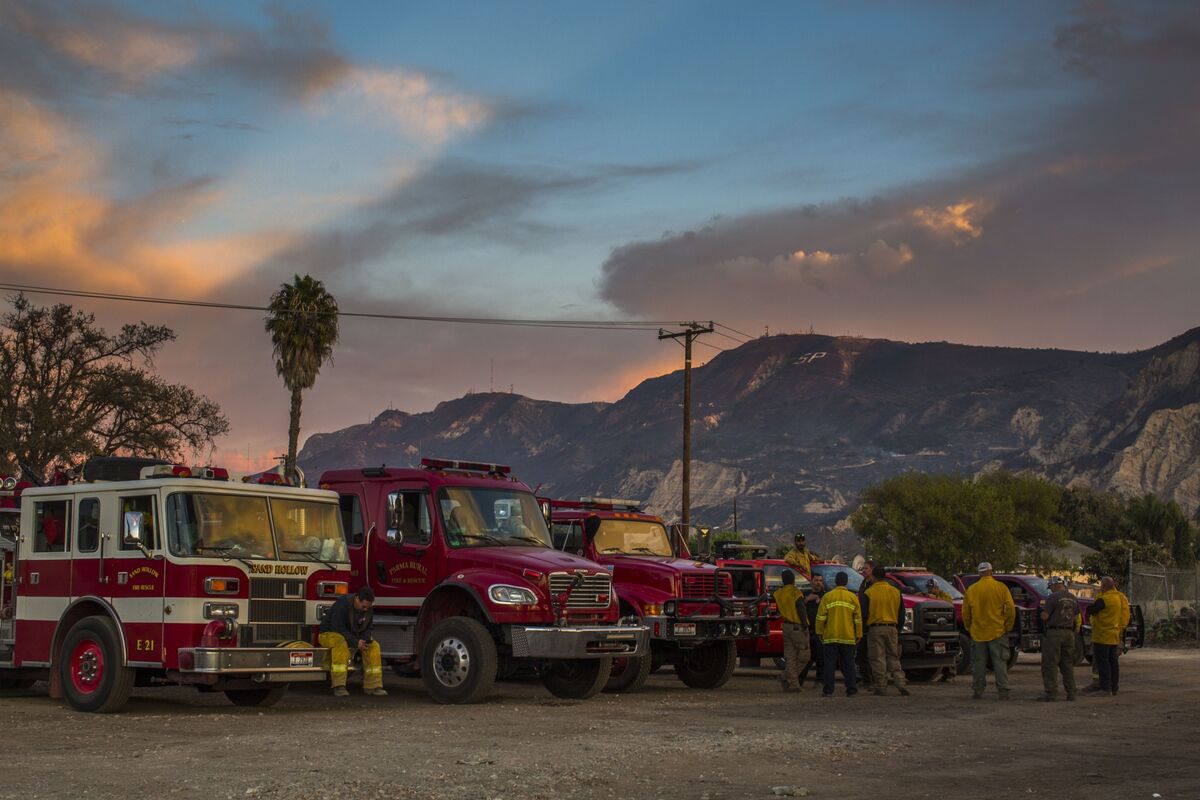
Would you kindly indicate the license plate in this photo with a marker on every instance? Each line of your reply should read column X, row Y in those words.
column 685, row 629
column 939, row 647
column 303, row 658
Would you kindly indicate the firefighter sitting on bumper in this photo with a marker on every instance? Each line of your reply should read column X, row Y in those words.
column 346, row 628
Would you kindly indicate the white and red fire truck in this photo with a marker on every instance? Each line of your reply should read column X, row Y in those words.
column 145, row 573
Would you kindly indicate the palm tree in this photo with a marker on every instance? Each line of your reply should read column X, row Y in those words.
column 303, row 324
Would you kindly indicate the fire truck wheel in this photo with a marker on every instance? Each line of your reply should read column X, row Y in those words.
column 89, row 664
column 655, row 664
column 458, row 661
column 628, row 674
column 1013, row 654
column 576, row 678
column 263, row 698
column 1080, row 653
column 922, row 674
column 707, row 667
column 16, row 684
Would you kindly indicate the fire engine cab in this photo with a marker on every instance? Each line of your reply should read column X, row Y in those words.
column 145, row 573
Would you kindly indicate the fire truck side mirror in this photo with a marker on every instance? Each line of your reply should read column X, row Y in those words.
column 133, row 528
column 395, row 519
column 591, row 526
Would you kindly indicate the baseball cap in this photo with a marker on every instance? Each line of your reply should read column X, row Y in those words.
column 1057, row 581
column 984, row 566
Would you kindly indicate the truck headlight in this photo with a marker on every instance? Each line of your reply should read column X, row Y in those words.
column 908, row 621
column 220, row 610
column 511, row 595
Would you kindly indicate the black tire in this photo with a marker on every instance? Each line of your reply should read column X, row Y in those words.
column 260, row 698
column 709, row 666
column 779, row 661
column 628, row 674
column 1014, row 654
column 89, row 666
column 962, row 662
column 16, row 684
column 577, row 678
column 458, row 661
column 922, row 674
column 656, row 664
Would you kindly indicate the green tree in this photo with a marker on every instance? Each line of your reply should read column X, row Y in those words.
column 943, row 522
column 1162, row 522
column 303, row 324
column 1092, row 517
column 1112, row 559
column 1035, row 502
column 70, row 390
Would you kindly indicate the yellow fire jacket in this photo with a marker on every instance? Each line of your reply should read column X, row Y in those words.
column 884, row 606
column 839, row 617
column 988, row 611
column 801, row 561
column 1109, row 617
column 786, row 598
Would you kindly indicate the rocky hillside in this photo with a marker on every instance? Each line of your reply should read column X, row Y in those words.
column 792, row 428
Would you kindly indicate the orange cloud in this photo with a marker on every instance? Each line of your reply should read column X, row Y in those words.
column 55, row 218
column 957, row 222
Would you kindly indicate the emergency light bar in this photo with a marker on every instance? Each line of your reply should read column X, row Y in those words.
column 630, row 505
column 181, row 471
column 465, row 466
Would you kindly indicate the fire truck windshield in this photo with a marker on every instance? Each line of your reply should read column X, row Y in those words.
column 632, row 536
column 219, row 524
column 478, row 517
column 304, row 527
column 238, row 526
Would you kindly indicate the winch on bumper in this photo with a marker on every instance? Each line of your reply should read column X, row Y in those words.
column 260, row 664
column 684, row 629
column 578, row 641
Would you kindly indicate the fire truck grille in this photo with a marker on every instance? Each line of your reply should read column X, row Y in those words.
column 594, row 591
column 700, row 585
column 278, row 611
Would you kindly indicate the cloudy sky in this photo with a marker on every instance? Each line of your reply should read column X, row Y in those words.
column 1002, row 173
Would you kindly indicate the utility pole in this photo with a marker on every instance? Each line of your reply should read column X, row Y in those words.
column 689, row 333
column 735, row 527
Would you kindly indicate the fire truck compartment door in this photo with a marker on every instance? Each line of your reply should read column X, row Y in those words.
column 134, row 583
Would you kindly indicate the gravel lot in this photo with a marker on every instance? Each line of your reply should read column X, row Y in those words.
column 747, row 740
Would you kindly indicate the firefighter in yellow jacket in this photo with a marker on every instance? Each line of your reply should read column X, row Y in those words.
column 1109, row 617
column 800, row 558
column 790, row 602
column 346, row 628
column 839, row 624
column 884, row 609
column 988, row 614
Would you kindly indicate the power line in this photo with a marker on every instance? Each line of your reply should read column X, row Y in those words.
column 735, row 330
column 629, row 325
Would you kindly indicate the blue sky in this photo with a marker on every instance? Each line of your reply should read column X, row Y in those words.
column 990, row 173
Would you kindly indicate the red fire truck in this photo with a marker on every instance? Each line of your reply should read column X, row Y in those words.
column 467, row 585
column 145, row 573
column 696, row 612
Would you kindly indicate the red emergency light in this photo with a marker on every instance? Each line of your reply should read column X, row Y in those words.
column 182, row 471
column 465, row 466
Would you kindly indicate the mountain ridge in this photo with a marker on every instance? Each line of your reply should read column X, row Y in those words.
column 795, row 426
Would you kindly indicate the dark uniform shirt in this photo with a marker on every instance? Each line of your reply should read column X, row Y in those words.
column 1061, row 610
column 343, row 618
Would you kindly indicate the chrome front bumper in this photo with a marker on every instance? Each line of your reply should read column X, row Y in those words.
column 579, row 641
column 269, row 664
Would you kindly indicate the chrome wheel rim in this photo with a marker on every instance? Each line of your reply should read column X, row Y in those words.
column 451, row 662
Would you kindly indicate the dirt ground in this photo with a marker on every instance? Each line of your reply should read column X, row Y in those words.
column 666, row 741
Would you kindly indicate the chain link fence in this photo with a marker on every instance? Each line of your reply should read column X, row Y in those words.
column 1170, row 600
